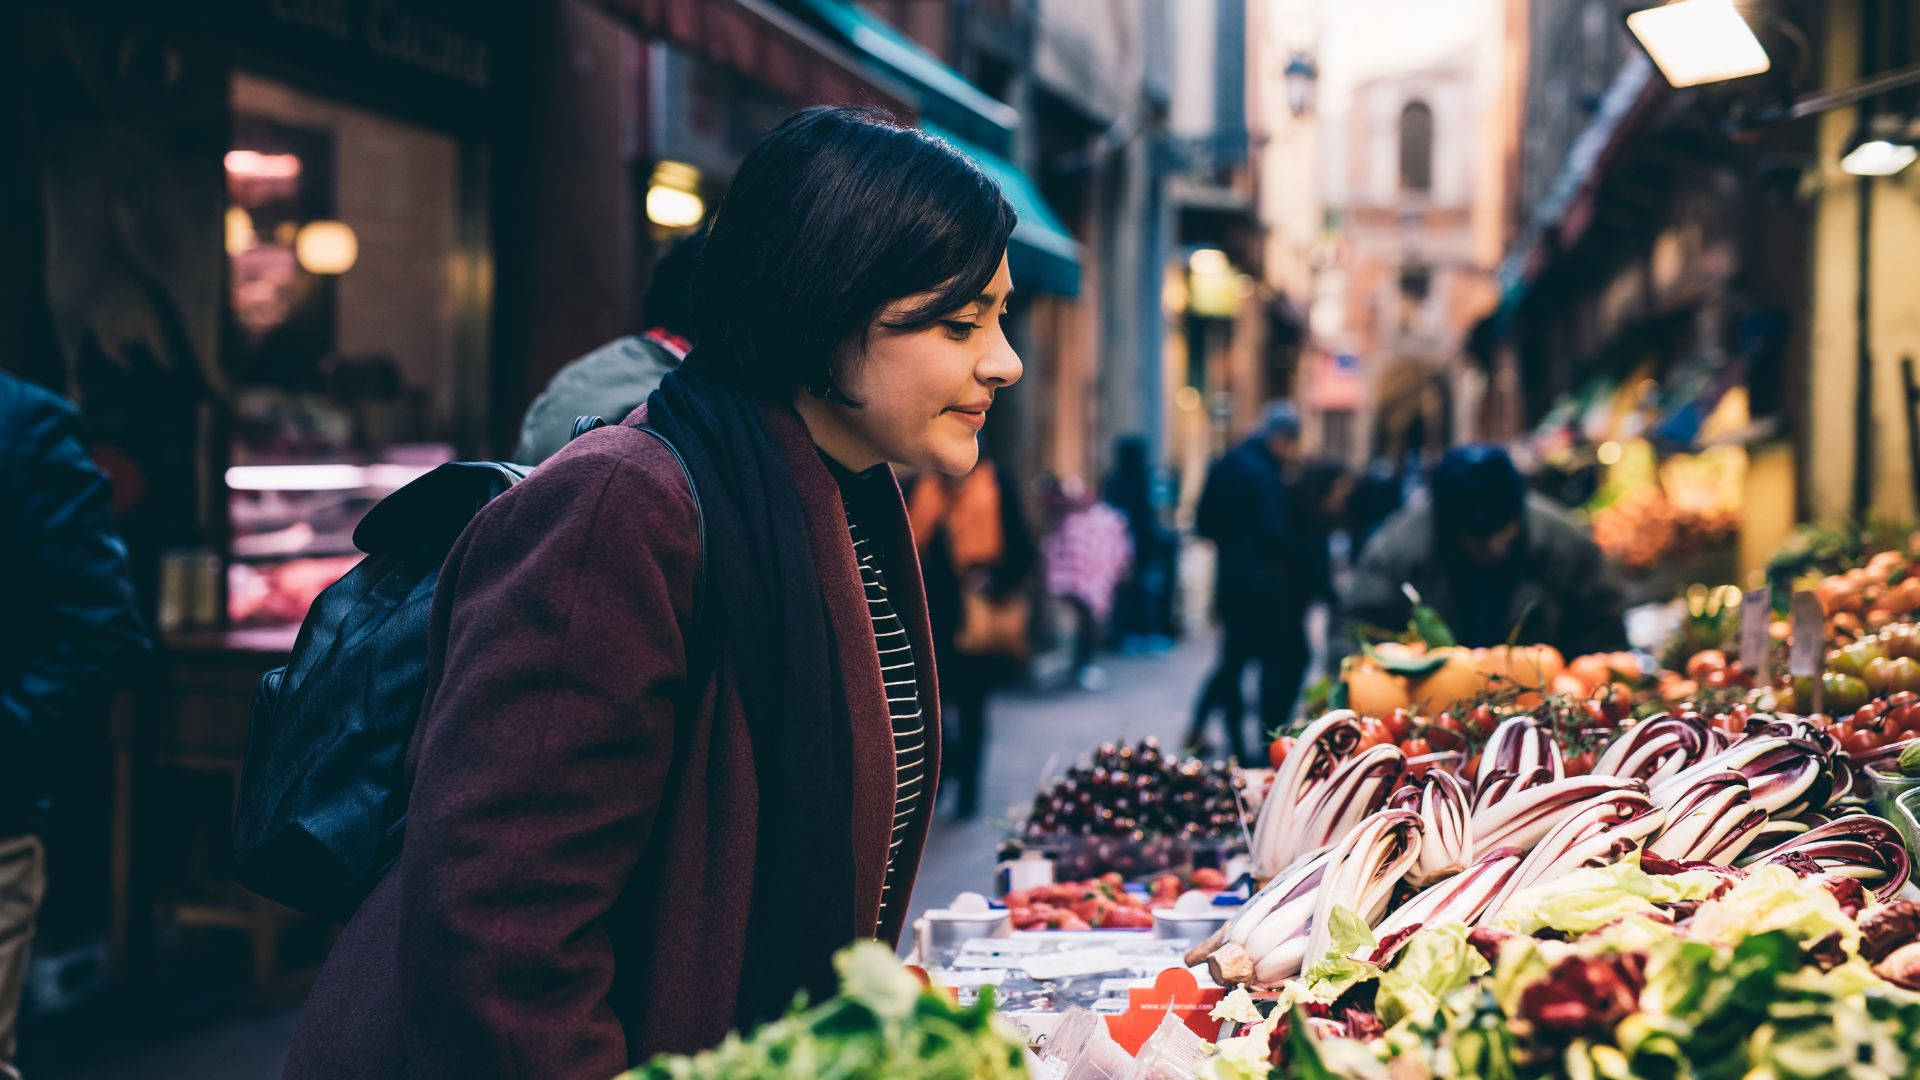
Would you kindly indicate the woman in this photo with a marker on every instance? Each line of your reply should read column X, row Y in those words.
column 977, row 552
column 650, row 798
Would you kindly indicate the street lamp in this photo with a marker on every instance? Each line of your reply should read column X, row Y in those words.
column 1883, row 148
column 1878, row 157
column 1301, row 76
column 1698, row 41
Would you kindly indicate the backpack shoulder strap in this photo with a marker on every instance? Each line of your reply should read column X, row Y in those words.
column 701, row 635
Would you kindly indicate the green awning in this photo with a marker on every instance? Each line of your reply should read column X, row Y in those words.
column 1042, row 255
column 946, row 98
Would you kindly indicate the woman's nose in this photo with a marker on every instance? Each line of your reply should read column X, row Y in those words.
column 1002, row 367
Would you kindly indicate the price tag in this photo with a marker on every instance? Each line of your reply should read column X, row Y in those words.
column 1756, row 646
column 1176, row 991
column 1808, row 657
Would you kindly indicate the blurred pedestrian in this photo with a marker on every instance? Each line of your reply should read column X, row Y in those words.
column 1376, row 496
column 1143, row 604
column 976, row 553
column 70, row 632
column 615, row 379
column 1494, row 561
column 680, row 716
column 1087, row 551
column 1261, row 594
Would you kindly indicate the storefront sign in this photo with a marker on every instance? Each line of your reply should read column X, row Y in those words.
column 762, row 43
column 424, row 56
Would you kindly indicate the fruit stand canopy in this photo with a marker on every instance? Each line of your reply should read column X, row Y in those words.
column 1044, row 257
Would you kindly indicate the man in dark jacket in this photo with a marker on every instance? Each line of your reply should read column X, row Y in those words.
column 1489, row 558
column 616, row 378
column 67, row 628
column 1263, row 582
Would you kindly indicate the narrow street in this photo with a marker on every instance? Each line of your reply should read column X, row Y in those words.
column 1143, row 696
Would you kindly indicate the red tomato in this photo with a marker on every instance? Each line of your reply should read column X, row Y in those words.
column 1861, row 743
column 1278, row 750
column 1445, row 733
column 1700, row 664
column 1580, row 764
column 1372, row 734
column 1398, row 723
column 1416, row 747
column 1481, row 721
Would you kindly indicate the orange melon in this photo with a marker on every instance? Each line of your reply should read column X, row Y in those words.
column 1372, row 691
column 1459, row 679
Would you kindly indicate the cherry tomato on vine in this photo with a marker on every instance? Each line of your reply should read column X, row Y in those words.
column 1278, row 750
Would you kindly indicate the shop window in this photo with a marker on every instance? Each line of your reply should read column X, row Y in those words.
column 353, row 295
column 1416, row 148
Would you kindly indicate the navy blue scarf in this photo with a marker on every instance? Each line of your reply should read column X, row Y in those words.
column 763, row 603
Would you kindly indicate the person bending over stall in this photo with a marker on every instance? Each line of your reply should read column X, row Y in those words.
column 664, row 769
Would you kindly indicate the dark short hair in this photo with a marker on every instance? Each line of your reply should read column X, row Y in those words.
column 833, row 215
column 668, row 302
column 1477, row 490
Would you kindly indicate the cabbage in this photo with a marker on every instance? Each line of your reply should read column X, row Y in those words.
column 1337, row 972
column 1591, row 897
column 1774, row 898
column 1432, row 964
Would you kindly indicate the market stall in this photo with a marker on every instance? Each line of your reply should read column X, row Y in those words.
column 1492, row 862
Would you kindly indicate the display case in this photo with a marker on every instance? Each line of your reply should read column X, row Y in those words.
column 354, row 290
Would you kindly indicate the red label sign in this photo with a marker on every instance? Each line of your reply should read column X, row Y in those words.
column 1176, row 991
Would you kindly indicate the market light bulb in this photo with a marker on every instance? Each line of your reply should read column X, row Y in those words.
column 326, row 247
column 673, row 208
column 1208, row 261
column 1878, row 157
column 1608, row 452
column 240, row 235
column 1698, row 41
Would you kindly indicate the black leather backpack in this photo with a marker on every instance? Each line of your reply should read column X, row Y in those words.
column 321, row 809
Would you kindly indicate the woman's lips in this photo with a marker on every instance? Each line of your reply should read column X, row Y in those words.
column 975, row 419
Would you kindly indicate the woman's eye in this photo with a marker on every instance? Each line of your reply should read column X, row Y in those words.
column 959, row 329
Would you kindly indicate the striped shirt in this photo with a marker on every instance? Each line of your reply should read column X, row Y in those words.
column 897, row 671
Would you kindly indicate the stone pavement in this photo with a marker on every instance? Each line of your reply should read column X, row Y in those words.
column 1030, row 730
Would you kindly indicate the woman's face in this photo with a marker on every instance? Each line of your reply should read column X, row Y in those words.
column 925, row 392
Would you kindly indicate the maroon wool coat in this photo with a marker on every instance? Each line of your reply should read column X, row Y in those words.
column 573, row 892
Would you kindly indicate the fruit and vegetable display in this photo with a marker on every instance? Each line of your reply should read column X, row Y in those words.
column 882, row 1025
column 1344, row 828
column 1133, row 810
column 1863, row 599
column 1642, row 967
column 1643, row 528
column 1103, row 903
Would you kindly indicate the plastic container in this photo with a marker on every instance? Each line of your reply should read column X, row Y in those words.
column 1081, row 1048
column 1172, row 1052
column 1905, row 815
column 1193, row 918
column 1888, row 785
